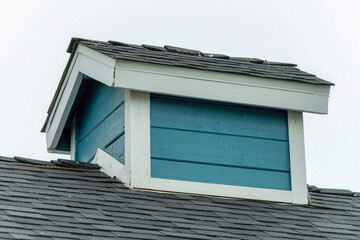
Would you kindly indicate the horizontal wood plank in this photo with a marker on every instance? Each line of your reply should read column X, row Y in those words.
column 101, row 106
column 218, row 149
column 218, row 118
column 219, row 175
column 102, row 135
column 117, row 148
column 192, row 138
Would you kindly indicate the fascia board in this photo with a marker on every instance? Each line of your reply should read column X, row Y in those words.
column 85, row 61
column 97, row 65
column 228, row 87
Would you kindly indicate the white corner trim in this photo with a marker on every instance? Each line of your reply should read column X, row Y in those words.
column 297, row 157
column 137, row 135
column 111, row 166
column 127, row 116
column 228, row 87
column 85, row 61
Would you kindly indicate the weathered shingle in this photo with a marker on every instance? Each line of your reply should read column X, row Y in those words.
column 189, row 58
column 40, row 200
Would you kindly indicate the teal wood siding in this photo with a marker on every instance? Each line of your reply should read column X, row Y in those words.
column 100, row 122
column 217, row 143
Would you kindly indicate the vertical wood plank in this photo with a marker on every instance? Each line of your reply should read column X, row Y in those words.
column 297, row 157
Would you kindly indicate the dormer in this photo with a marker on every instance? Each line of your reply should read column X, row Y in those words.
column 180, row 120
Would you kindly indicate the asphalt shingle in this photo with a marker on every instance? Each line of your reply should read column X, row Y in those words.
column 52, row 202
column 181, row 57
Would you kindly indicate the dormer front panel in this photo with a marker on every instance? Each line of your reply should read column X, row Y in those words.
column 214, row 148
column 213, row 142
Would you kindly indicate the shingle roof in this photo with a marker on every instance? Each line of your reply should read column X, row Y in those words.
column 66, row 200
column 181, row 57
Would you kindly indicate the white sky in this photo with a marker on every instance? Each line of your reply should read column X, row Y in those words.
column 322, row 37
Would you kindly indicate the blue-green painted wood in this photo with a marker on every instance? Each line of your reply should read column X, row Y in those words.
column 198, row 136
column 117, row 148
column 230, row 150
column 220, row 175
column 218, row 118
column 100, row 108
column 100, row 122
column 102, row 135
column 92, row 90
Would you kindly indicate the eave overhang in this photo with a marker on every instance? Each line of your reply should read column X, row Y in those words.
column 178, row 81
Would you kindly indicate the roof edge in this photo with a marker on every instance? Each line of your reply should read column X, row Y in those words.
column 56, row 94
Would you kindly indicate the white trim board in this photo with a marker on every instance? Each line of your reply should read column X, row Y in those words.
column 218, row 190
column 228, row 87
column 140, row 159
column 137, row 136
column 297, row 157
column 111, row 166
column 85, row 61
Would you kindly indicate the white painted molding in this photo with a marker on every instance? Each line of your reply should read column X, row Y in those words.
column 96, row 65
column 85, row 61
column 228, row 87
column 218, row 190
column 62, row 110
column 111, row 166
column 297, row 157
column 137, row 135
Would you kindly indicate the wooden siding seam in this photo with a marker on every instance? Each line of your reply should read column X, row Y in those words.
column 219, row 133
column 202, row 142
column 218, row 164
column 104, row 148
column 101, row 121
column 115, row 138
column 213, row 102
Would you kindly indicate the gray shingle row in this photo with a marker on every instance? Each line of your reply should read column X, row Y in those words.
column 40, row 200
column 180, row 57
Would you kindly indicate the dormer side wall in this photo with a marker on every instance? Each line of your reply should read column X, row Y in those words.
column 100, row 123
